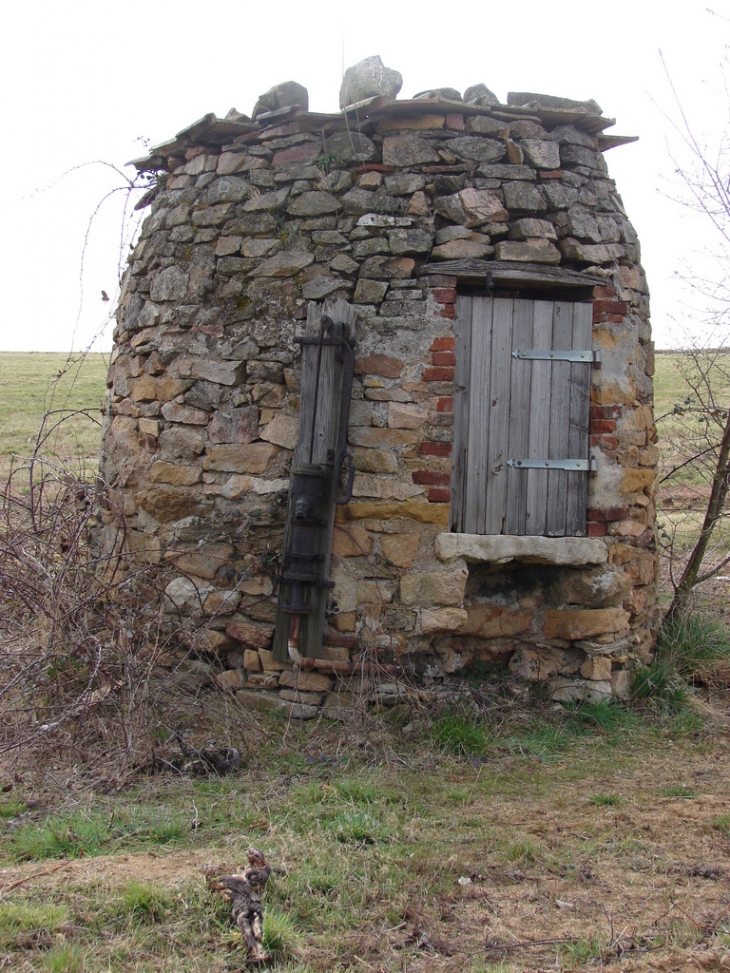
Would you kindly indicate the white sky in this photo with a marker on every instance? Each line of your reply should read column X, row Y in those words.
column 85, row 80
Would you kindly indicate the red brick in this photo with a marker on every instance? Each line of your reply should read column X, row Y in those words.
column 439, row 495
column 610, row 307
column 594, row 529
column 602, row 425
column 430, row 478
column 445, row 404
column 444, row 295
column 600, row 317
column 438, row 375
column 606, row 411
column 443, row 358
column 447, row 343
column 373, row 167
column 447, row 311
column 605, row 443
column 610, row 513
column 429, row 448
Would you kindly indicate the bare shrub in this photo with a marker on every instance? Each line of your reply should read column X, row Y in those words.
column 96, row 681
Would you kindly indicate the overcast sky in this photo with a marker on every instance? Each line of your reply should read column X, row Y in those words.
column 85, row 81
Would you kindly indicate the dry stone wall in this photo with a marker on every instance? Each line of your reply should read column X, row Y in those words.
column 252, row 220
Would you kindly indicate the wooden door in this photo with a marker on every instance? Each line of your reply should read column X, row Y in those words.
column 514, row 405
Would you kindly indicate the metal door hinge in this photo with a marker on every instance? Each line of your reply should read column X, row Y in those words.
column 591, row 357
column 581, row 465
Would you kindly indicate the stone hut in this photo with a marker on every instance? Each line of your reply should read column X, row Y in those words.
column 381, row 395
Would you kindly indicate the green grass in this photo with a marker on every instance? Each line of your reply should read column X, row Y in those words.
column 679, row 790
column 605, row 800
column 693, row 643
column 18, row 919
column 722, row 824
column 687, row 648
column 144, row 902
column 462, row 735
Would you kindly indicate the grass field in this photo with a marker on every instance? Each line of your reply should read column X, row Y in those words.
column 489, row 834
column 71, row 392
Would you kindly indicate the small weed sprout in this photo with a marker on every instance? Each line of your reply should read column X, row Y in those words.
column 605, row 800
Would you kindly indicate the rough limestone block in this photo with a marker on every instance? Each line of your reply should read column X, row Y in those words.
column 295, row 696
column 479, row 94
column 351, row 541
column 478, row 149
column 311, row 682
column 530, row 227
column 488, row 621
column 367, row 79
column 583, row 623
column 262, row 680
column 282, row 431
column 541, row 153
column 537, row 664
column 426, row 589
column 528, row 251
column 220, row 602
column 592, row 589
column 231, row 679
column 245, row 458
column 251, row 660
column 284, row 95
column 171, row 284
column 163, row 472
column 384, row 488
column 269, row 663
column 167, row 503
column 403, row 151
column 579, row 691
column 400, row 549
column 472, row 207
column 462, row 250
column 442, row 620
column 284, row 264
column 217, row 643
column 596, row 669
column 255, row 636
column 621, row 684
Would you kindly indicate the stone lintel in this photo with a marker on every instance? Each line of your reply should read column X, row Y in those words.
column 502, row 548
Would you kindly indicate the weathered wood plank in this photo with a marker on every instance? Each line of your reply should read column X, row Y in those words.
column 510, row 272
column 540, row 389
column 578, row 433
column 462, row 333
column 479, row 375
column 498, row 406
column 519, row 421
column 559, row 420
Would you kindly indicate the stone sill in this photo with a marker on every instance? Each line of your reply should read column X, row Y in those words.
column 502, row 548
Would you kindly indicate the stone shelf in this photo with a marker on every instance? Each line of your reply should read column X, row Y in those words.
column 502, row 548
